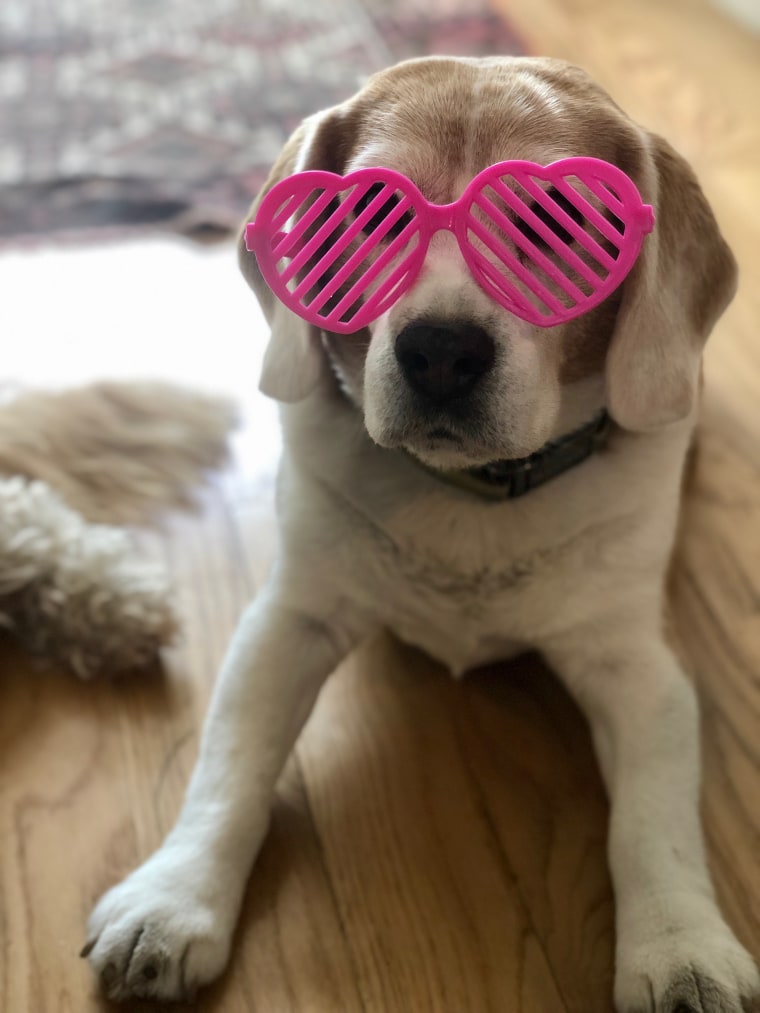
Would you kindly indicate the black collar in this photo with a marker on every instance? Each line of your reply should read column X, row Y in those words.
column 509, row 479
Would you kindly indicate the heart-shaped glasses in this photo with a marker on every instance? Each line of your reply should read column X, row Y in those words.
column 547, row 243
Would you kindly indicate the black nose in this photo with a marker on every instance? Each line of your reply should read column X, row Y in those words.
column 444, row 361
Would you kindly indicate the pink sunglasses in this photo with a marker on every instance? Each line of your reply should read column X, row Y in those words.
column 547, row 243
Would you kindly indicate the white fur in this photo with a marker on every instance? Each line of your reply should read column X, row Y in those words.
column 369, row 539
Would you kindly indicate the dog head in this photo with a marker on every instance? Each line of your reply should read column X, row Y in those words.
column 446, row 372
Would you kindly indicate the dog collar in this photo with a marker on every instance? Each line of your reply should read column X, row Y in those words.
column 502, row 480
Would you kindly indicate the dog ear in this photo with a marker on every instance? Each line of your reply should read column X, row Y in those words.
column 682, row 281
column 293, row 361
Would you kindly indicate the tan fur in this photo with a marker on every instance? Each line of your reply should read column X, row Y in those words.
column 79, row 593
column 116, row 452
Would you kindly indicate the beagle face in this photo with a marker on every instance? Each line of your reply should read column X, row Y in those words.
column 458, row 381
column 447, row 373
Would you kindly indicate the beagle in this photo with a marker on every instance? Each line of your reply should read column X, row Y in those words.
column 479, row 484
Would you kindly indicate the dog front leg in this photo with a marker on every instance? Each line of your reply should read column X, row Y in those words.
column 675, row 953
column 166, row 929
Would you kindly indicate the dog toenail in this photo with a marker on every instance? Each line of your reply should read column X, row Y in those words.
column 108, row 973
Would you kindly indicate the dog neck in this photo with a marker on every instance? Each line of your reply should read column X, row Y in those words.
column 508, row 479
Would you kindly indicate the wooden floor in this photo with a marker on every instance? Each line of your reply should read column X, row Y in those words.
column 436, row 846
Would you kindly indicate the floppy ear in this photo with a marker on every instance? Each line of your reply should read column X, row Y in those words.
column 293, row 361
column 682, row 281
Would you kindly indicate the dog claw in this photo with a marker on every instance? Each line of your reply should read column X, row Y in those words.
column 88, row 947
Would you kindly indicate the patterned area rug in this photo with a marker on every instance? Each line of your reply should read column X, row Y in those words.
column 123, row 115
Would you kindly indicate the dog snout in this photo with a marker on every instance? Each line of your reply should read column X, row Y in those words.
column 444, row 361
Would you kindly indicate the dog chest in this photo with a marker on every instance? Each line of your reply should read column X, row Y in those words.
column 467, row 608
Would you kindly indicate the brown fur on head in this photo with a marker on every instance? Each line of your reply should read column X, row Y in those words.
column 441, row 121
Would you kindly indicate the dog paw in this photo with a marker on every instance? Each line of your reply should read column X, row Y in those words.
column 155, row 937
column 693, row 970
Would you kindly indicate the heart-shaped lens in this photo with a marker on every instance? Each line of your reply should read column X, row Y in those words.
column 338, row 250
column 551, row 242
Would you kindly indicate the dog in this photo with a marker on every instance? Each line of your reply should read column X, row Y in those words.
column 391, row 434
